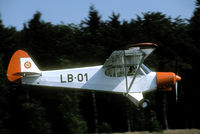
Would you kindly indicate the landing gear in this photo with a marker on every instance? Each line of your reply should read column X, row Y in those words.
column 144, row 104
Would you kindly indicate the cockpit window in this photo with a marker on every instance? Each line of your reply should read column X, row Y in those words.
column 119, row 71
column 125, row 63
column 114, row 72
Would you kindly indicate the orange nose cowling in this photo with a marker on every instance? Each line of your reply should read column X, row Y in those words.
column 166, row 80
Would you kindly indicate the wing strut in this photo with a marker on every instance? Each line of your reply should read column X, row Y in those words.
column 128, row 87
column 124, row 66
column 137, row 70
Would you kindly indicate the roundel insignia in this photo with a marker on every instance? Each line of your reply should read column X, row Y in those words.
column 27, row 65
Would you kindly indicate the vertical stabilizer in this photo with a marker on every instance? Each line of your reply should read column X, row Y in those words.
column 20, row 64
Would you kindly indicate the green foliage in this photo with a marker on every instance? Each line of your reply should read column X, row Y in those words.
column 194, row 26
column 72, row 123
column 4, row 100
column 34, row 116
column 105, row 128
column 94, row 20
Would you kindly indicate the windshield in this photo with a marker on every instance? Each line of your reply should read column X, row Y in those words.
column 145, row 69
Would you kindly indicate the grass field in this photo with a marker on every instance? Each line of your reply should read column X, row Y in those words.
column 175, row 131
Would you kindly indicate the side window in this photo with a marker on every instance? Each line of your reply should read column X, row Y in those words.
column 114, row 72
column 109, row 72
column 119, row 71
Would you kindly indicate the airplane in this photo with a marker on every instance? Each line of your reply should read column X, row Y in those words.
column 123, row 72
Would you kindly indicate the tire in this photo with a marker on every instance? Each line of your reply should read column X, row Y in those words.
column 144, row 104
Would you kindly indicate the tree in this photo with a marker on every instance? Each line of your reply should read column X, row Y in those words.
column 195, row 25
column 4, row 100
column 93, row 21
column 192, row 83
column 8, row 38
column 113, row 34
column 69, row 115
column 92, row 36
column 40, row 39
column 35, row 120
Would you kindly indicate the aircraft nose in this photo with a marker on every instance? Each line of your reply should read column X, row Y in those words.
column 166, row 80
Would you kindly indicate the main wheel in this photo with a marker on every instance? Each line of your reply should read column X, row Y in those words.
column 144, row 104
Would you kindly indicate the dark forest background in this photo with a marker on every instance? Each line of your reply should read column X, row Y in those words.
column 36, row 110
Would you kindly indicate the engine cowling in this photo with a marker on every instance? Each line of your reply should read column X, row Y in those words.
column 166, row 80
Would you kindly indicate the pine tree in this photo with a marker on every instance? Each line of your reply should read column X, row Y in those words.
column 34, row 118
column 70, row 118
column 195, row 25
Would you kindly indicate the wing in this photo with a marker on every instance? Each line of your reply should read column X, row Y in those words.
column 131, row 56
column 146, row 48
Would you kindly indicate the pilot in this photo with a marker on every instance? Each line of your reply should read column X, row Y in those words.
column 131, row 70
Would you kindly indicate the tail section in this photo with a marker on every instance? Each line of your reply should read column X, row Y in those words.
column 20, row 65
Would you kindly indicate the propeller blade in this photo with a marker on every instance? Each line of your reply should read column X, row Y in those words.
column 177, row 79
column 176, row 90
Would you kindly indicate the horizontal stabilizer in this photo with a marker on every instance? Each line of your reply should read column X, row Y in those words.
column 23, row 74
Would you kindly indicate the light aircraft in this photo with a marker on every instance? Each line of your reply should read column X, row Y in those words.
column 123, row 72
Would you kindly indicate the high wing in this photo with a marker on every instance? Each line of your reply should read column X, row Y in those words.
column 132, row 55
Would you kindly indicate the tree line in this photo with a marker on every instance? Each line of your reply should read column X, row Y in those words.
column 35, row 110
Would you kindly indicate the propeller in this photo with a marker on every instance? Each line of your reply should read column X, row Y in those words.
column 177, row 79
column 167, row 81
column 176, row 91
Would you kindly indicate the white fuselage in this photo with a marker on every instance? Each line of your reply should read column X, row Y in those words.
column 92, row 78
